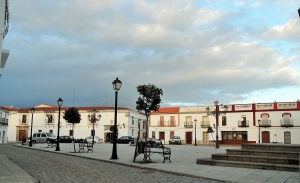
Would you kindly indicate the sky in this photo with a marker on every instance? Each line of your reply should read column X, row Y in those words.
column 195, row 51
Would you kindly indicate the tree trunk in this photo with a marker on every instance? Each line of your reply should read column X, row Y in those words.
column 73, row 138
column 145, row 152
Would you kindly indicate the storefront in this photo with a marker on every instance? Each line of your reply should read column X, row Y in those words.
column 234, row 137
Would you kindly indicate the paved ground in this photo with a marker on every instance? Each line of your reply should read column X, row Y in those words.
column 55, row 166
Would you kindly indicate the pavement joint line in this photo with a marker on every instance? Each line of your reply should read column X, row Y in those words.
column 126, row 164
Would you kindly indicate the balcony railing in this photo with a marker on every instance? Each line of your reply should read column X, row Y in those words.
column 205, row 124
column 48, row 124
column 243, row 123
column 188, row 124
column 161, row 123
column 265, row 123
column 286, row 122
column 171, row 123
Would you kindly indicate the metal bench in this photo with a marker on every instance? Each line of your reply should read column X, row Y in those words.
column 83, row 144
column 153, row 149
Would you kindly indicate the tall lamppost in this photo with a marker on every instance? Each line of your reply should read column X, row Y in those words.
column 299, row 12
column 258, row 131
column 116, row 85
column 32, row 112
column 59, row 103
column 93, row 120
column 216, row 113
column 195, row 121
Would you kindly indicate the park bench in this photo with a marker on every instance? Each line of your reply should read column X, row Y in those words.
column 83, row 144
column 51, row 143
column 153, row 148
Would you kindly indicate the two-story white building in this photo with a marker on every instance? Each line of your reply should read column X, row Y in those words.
column 276, row 122
column 45, row 119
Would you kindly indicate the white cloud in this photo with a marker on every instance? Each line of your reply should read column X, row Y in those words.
column 196, row 53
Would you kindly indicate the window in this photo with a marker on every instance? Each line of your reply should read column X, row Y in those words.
column 50, row 118
column 40, row 131
column 224, row 121
column 70, row 132
column 132, row 121
column 132, row 130
column 229, row 135
column 144, row 124
column 153, row 134
column 24, row 117
column 50, row 131
column 38, row 135
column 43, row 135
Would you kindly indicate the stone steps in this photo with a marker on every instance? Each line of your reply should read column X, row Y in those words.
column 256, row 159
column 280, row 157
column 262, row 153
column 264, row 166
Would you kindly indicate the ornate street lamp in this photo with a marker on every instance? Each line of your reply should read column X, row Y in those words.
column 93, row 120
column 216, row 113
column 59, row 103
column 116, row 85
column 32, row 112
column 258, row 131
column 195, row 121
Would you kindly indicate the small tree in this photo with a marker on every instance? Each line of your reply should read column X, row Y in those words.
column 210, row 130
column 148, row 101
column 72, row 116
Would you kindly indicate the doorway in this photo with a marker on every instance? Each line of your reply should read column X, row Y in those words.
column 22, row 133
column 265, row 137
column 188, row 137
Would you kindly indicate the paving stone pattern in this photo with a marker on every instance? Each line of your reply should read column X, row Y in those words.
column 53, row 167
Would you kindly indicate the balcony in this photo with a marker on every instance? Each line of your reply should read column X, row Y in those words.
column 243, row 123
column 161, row 123
column 4, row 121
column 48, row 124
column 188, row 124
column 205, row 124
column 265, row 123
column 171, row 123
column 286, row 122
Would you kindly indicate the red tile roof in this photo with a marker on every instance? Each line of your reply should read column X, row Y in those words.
column 167, row 110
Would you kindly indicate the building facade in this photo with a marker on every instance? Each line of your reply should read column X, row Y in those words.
column 4, row 113
column 276, row 122
column 45, row 119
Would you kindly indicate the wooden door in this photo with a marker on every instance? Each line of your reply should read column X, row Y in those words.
column 22, row 133
column 171, row 134
column 161, row 121
column 188, row 138
column 162, row 135
column 265, row 137
column 172, row 121
column 287, row 137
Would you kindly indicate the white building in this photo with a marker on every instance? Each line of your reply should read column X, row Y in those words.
column 4, row 112
column 4, row 17
column 45, row 119
column 278, row 123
